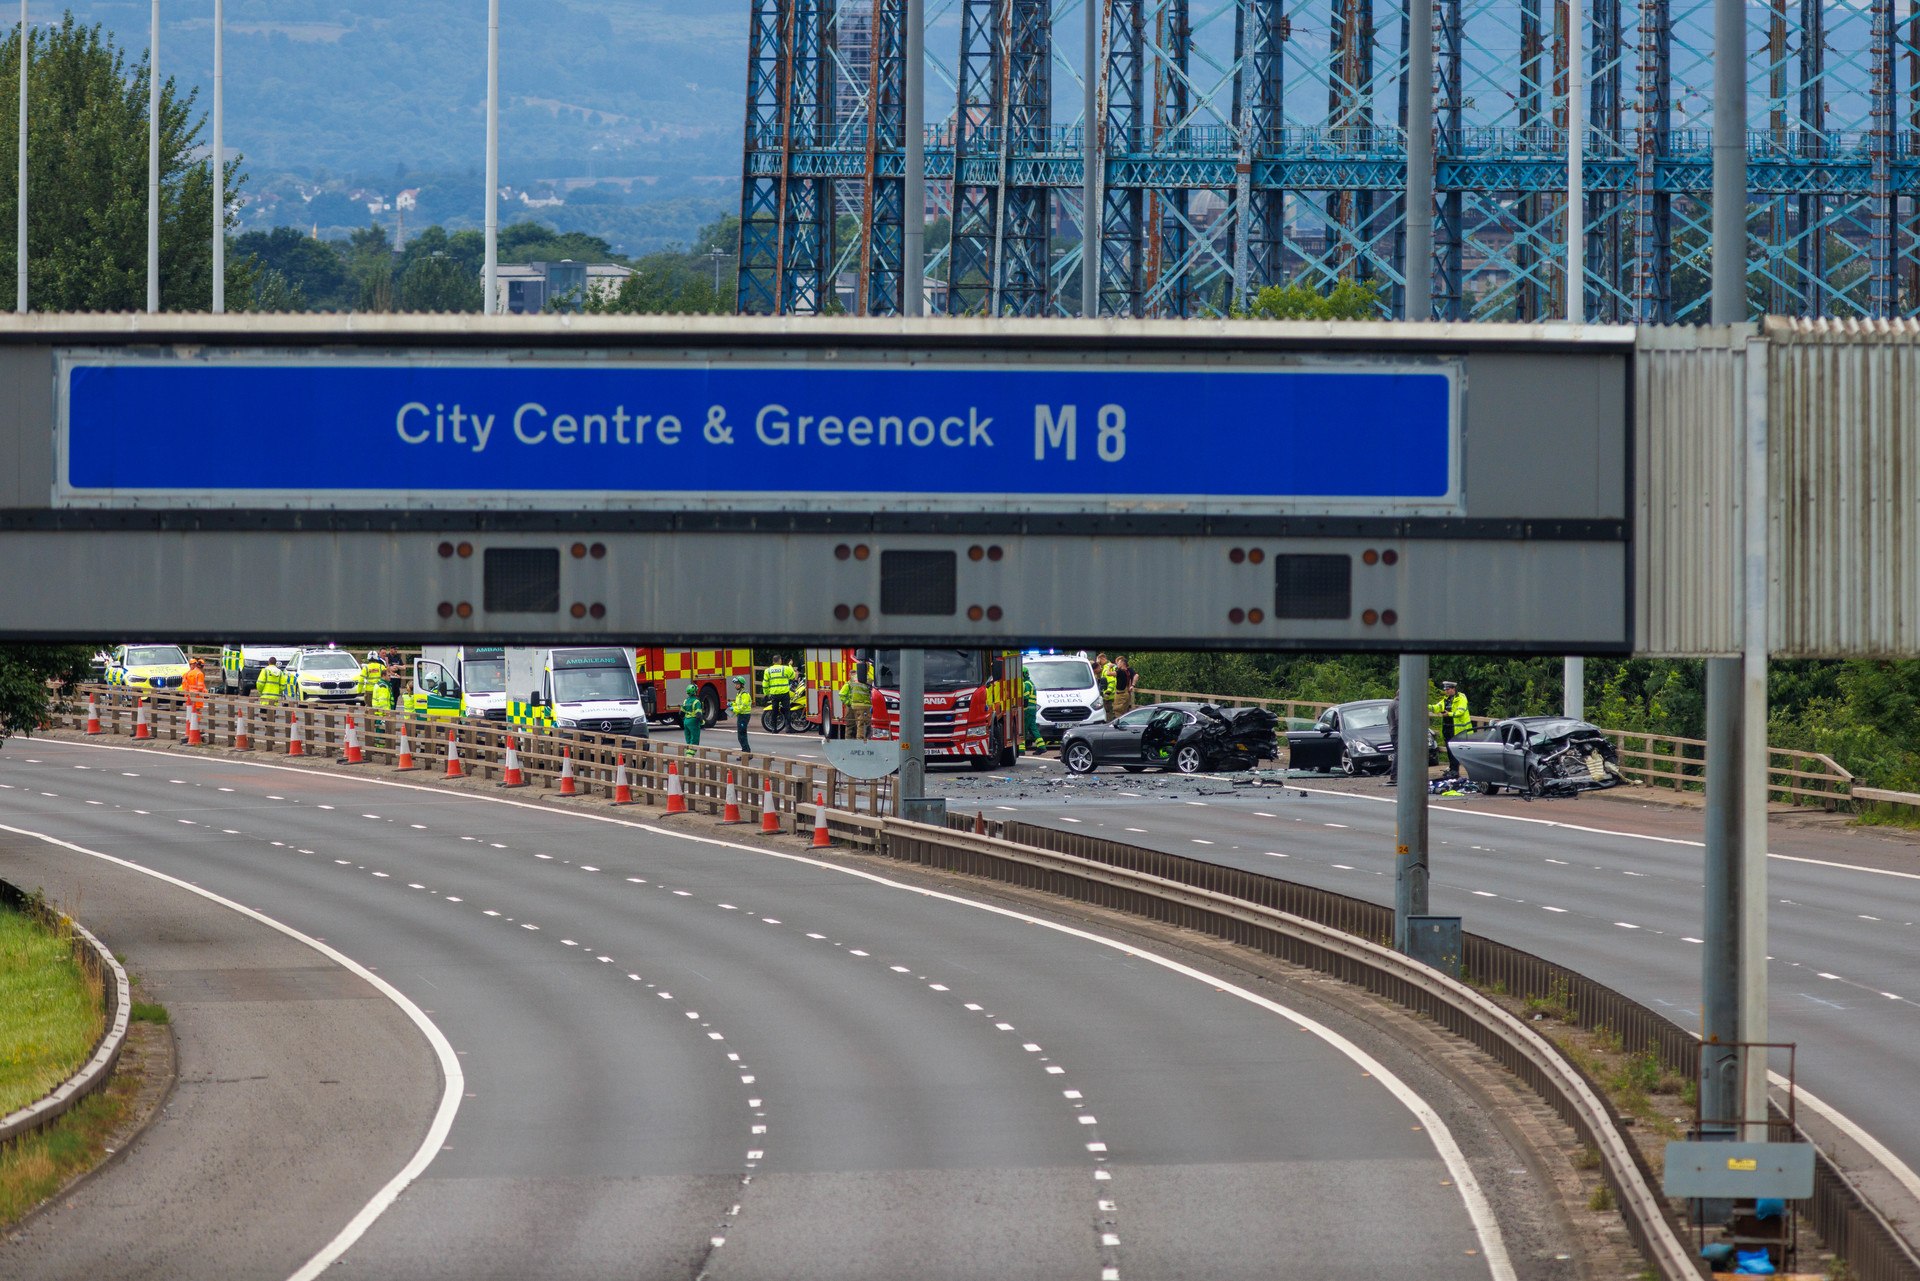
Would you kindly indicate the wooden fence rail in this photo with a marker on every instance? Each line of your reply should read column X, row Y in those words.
column 481, row 748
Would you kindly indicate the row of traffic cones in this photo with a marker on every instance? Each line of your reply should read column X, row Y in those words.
column 512, row 775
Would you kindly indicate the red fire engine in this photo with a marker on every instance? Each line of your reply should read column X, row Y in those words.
column 972, row 699
column 664, row 675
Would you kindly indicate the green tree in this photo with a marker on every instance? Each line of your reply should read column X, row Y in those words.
column 437, row 282
column 273, row 292
column 312, row 268
column 87, row 181
column 26, row 696
column 1349, row 299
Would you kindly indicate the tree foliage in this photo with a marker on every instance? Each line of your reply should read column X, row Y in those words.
column 1349, row 299
column 26, row 696
column 87, row 181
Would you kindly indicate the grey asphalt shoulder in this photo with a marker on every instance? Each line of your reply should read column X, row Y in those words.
column 301, row 1091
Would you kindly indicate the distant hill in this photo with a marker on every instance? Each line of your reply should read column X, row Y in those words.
column 361, row 99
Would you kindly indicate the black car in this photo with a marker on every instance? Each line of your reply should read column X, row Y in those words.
column 1538, row 756
column 1189, row 738
column 1353, row 738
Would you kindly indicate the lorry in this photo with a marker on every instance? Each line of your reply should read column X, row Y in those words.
column 664, row 675
column 588, row 688
column 460, row 680
column 240, row 664
column 972, row 702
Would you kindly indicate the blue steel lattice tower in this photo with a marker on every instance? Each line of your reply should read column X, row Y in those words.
column 1244, row 143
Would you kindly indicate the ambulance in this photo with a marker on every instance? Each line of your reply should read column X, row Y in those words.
column 588, row 688
column 460, row 680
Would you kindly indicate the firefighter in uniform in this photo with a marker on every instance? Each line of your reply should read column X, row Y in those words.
column 779, row 686
column 742, row 710
column 856, row 699
column 372, row 672
column 271, row 683
column 1455, row 720
column 693, row 716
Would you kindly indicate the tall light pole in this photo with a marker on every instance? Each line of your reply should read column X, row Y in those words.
column 153, row 161
column 1573, row 702
column 913, row 268
column 20, row 204
column 491, row 276
column 1090, row 175
column 219, row 158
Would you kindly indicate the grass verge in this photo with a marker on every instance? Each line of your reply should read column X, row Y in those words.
column 50, row 1009
column 35, row 1166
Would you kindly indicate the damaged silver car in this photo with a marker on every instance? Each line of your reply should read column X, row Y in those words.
column 1538, row 756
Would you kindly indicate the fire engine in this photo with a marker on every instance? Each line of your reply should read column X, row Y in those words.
column 972, row 699
column 664, row 675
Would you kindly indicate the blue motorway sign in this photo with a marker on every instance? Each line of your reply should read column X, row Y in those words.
column 446, row 431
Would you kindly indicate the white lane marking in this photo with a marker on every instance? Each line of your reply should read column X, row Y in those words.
column 1688, row 938
column 326, row 807
column 937, row 987
column 525, row 926
column 1485, row 894
column 1342, row 866
column 1902, row 1173
column 899, row 969
column 1065, row 819
column 1198, row 841
column 1625, row 926
column 369, row 816
column 854, row 951
column 816, row 936
column 1275, row 854
column 1343, row 827
column 452, row 899
column 588, row 868
column 454, row 1082
column 1264, row 814
column 1071, row 1094
column 1057, row 1071
column 637, row 880
column 1004, row 1027
column 491, row 912
column 1141, row 830
column 1545, row 908
column 1865, row 917
column 545, row 856
column 770, row 920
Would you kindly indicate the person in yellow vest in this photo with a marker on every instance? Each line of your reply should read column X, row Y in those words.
column 271, row 683
column 856, row 697
column 1123, row 678
column 1109, row 683
column 693, row 716
column 778, row 684
column 742, row 709
column 1455, row 720
column 372, row 672
column 382, row 697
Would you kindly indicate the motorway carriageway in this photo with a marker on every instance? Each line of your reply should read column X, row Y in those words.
column 674, row 1056
column 1565, row 880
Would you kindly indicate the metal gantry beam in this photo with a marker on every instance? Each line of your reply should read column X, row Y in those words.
column 1248, row 142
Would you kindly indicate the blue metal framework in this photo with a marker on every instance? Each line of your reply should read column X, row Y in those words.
column 1252, row 142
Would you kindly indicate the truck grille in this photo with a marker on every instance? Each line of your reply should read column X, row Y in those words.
column 608, row 725
column 494, row 714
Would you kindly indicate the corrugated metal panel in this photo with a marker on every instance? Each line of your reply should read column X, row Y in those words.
column 1689, row 396
column 1844, row 456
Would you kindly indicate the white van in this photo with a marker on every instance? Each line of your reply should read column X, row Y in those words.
column 587, row 688
column 1066, row 693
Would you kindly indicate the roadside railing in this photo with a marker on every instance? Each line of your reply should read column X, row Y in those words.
column 596, row 761
column 1657, row 760
column 1848, row 1223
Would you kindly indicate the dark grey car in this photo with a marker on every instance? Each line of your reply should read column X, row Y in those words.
column 1538, row 756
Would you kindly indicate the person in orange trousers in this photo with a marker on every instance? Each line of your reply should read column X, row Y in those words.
column 194, row 684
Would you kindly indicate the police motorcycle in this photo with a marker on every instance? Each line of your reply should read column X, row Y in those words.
column 793, row 719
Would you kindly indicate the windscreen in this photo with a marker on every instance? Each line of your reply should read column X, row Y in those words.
column 595, row 685
column 1358, row 718
column 155, row 656
column 484, row 675
column 946, row 668
column 1075, row 673
column 329, row 663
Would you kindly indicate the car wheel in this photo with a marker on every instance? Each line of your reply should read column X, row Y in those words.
column 1079, row 758
column 1347, row 766
column 1535, row 788
column 1188, row 760
column 1133, row 769
column 991, row 759
column 1491, row 789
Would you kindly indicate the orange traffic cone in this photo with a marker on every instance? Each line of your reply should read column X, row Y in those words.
column 510, row 775
column 93, row 716
column 193, row 726
column 297, row 736
column 622, row 790
column 567, row 787
column 454, row 769
column 241, row 742
column 769, row 810
column 142, row 726
column 979, row 823
column 731, row 814
column 821, row 840
column 676, row 799
column 354, row 755
column 403, row 752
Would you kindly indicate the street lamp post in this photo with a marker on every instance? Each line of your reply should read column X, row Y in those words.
column 219, row 159
column 717, row 256
column 492, row 272
column 20, row 228
column 153, row 162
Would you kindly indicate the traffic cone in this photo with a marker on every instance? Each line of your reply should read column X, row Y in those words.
column 676, row 799
column 731, row 813
column 296, row 736
column 93, row 716
column 769, row 810
column 193, row 726
column 821, row 840
column 453, row 757
column 567, row 787
column 241, row 742
column 979, row 823
column 622, row 790
column 510, row 775
column 354, row 755
column 142, row 726
column 403, row 752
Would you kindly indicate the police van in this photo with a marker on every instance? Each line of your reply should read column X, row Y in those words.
column 1066, row 692
column 591, row 689
column 240, row 664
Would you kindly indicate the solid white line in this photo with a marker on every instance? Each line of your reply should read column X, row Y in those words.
column 452, row 1078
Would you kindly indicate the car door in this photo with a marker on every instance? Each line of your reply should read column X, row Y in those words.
column 1317, row 748
column 1117, row 742
column 436, row 693
column 1513, row 754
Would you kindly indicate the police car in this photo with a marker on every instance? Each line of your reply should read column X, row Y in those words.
column 324, row 676
column 146, row 666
